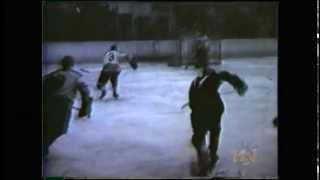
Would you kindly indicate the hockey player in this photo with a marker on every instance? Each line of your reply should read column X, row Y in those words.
column 207, row 109
column 59, row 90
column 111, row 70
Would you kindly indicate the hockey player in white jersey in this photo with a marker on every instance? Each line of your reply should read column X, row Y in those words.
column 111, row 70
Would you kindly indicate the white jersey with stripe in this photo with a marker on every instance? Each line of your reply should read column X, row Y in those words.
column 112, row 57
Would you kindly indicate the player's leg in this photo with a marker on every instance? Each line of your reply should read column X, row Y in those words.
column 114, row 83
column 214, row 143
column 58, row 122
column 198, row 141
column 50, row 119
column 199, row 132
column 102, row 81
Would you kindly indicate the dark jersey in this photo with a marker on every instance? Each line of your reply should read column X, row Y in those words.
column 203, row 91
column 68, row 86
column 60, row 88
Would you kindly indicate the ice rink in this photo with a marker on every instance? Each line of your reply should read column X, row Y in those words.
column 146, row 134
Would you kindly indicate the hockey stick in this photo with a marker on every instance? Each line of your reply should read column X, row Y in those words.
column 76, row 108
column 184, row 105
column 84, row 70
column 227, row 92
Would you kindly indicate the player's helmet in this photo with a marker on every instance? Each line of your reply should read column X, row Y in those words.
column 67, row 62
column 113, row 47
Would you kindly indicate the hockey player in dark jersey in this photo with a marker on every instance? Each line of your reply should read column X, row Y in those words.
column 59, row 90
column 111, row 70
column 206, row 111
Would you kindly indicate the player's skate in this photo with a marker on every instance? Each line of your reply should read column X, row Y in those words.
column 203, row 163
column 115, row 95
column 212, row 164
column 103, row 94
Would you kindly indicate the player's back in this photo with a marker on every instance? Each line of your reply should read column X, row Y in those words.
column 204, row 91
column 111, row 57
column 70, row 84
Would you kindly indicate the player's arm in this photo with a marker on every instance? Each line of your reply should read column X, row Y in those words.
column 192, row 94
column 86, row 100
column 132, row 61
column 128, row 57
column 236, row 82
column 123, row 56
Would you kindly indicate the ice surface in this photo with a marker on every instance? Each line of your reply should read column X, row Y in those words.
column 146, row 133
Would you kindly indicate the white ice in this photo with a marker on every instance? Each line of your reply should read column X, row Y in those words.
column 146, row 134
